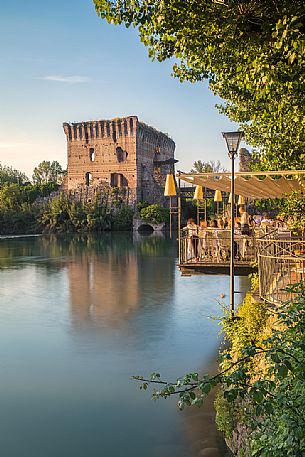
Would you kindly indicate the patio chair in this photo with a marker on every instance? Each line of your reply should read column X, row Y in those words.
column 211, row 245
column 223, row 245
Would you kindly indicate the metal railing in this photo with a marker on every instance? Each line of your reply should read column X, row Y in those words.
column 213, row 246
column 281, row 261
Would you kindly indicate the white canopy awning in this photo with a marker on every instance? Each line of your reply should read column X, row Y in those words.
column 255, row 185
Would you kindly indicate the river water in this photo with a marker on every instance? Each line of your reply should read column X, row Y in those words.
column 78, row 317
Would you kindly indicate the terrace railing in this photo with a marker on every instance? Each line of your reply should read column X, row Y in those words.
column 213, row 246
column 281, row 261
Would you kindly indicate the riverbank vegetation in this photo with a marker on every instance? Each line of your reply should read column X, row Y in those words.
column 34, row 208
column 61, row 214
column 42, row 207
column 20, row 207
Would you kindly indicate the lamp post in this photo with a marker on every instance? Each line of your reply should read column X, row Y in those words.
column 232, row 140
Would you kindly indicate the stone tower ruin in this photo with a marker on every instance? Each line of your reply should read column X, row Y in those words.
column 121, row 153
column 244, row 159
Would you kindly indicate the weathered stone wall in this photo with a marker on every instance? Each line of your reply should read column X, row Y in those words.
column 155, row 153
column 101, row 148
column 119, row 153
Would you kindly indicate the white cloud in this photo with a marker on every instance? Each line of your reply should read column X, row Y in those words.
column 73, row 79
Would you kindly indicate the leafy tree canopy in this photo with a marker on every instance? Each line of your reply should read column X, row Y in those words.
column 47, row 172
column 207, row 167
column 8, row 175
column 251, row 52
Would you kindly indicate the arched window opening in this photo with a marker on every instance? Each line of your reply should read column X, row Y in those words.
column 91, row 154
column 88, row 177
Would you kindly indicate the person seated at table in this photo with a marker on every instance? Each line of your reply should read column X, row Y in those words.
column 257, row 219
column 202, row 235
column 251, row 221
column 225, row 222
column 281, row 223
column 213, row 224
column 244, row 220
column 220, row 224
column 237, row 229
column 192, row 235
column 266, row 221
column 202, row 228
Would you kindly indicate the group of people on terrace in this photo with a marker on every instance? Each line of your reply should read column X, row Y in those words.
column 211, row 239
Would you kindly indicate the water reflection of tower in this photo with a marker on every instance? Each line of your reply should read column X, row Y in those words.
column 156, row 263
column 108, row 286
column 103, row 288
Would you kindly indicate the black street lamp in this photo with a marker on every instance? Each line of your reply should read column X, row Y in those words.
column 233, row 140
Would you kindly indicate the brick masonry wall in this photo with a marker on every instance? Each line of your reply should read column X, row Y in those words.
column 118, row 152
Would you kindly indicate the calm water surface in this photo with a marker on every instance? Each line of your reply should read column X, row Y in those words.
column 78, row 317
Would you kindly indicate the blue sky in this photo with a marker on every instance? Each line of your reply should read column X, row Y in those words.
column 59, row 62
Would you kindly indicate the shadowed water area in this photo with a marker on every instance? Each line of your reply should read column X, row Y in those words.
column 78, row 317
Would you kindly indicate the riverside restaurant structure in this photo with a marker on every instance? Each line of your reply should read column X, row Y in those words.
column 271, row 247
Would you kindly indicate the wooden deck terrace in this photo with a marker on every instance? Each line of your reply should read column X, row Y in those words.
column 220, row 268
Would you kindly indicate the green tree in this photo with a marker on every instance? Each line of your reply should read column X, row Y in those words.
column 47, row 172
column 14, row 196
column 8, row 175
column 207, row 167
column 252, row 53
column 154, row 214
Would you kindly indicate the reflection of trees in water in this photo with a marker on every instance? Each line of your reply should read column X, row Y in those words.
column 15, row 249
column 50, row 252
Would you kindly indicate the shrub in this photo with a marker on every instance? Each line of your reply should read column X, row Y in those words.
column 154, row 214
column 122, row 218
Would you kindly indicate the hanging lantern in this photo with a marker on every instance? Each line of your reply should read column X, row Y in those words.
column 198, row 195
column 170, row 186
column 241, row 200
column 218, row 196
column 230, row 199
